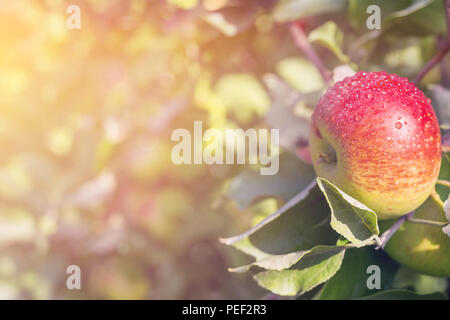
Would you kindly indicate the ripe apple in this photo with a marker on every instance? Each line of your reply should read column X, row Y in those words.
column 376, row 136
column 420, row 247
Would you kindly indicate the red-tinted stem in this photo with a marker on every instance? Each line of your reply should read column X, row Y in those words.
column 441, row 51
column 303, row 44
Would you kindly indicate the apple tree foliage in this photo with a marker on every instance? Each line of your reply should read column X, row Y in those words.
column 86, row 177
column 321, row 241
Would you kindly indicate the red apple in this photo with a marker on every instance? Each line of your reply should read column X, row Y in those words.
column 375, row 136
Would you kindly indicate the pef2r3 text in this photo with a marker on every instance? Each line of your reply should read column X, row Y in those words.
column 230, row 309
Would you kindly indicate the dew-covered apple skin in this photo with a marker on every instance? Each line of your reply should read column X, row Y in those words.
column 386, row 140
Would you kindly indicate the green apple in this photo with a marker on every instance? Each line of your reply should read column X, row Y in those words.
column 420, row 247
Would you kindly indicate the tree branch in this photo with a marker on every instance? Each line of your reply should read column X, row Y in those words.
column 428, row 222
column 441, row 51
column 303, row 44
column 386, row 236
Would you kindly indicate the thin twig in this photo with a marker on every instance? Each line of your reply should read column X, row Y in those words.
column 441, row 51
column 443, row 183
column 428, row 222
column 447, row 18
column 386, row 236
column 303, row 44
column 433, row 62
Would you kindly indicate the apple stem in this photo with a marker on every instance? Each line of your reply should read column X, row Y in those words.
column 329, row 157
column 386, row 236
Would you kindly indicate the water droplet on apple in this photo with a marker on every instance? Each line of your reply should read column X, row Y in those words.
column 398, row 125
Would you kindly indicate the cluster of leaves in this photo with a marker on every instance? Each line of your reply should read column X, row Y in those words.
column 301, row 246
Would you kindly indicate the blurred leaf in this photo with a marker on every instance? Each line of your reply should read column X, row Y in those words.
column 119, row 279
column 250, row 186
column 330, row 36
column 441, row 103
column 351, row 280
column 231, row 20
column 15, row 180
column 421, row 283
column 342, row 72
column 398, row 294
column 243, row 96
column 289, row 10
column 315, row 267
column 444, row 171
column 184, row 4
column 300, row 74
column 349, row 217
column 290, row 112
column 93, row 192
column 410, row 17
column 16, row 224
column 418, row 15
column 406, row 60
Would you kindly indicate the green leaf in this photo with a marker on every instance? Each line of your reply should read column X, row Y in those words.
column 415, row 19
column 289, row 10
column 330, row 36
column 444, row 174
column 442, row 189
column 351, row 280
column 300, row 74
column 441, row 103
column 315, row 267
column 291, row 110
column 299, row 225
column 349, row 217
column 399, row 294
column 274, row 262
column 358, row 15
column 444, row 171
column 250, row 186
column 402, row 17
column 243, row 96
column 232, row 20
